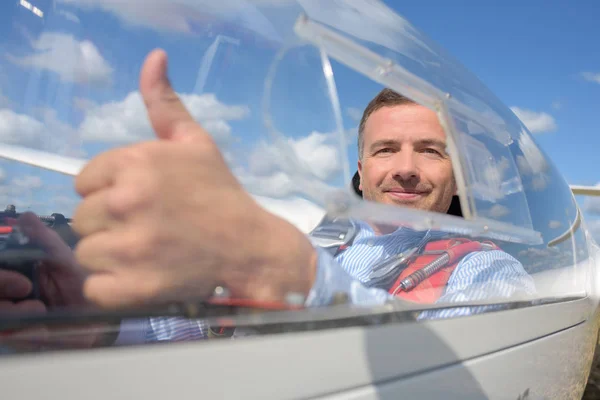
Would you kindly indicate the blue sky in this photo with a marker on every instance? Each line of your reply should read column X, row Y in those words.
column 533, row 56
column 536, row 55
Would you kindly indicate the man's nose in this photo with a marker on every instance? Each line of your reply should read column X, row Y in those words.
column 405, row 167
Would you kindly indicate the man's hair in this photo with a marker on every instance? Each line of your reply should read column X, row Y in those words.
column 385, row 98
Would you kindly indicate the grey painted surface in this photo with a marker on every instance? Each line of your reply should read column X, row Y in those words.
column 548, row 368
column 305, row 364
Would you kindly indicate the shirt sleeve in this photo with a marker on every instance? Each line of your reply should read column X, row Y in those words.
column 132, row 331
column 331, row 278
column 168, row 329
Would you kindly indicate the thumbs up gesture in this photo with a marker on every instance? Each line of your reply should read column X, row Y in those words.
column 166, row 220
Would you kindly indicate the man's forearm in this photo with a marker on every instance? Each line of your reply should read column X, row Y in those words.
column 330, row 279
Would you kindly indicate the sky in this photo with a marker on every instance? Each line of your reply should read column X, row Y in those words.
column 68, row 84
column 541, row 59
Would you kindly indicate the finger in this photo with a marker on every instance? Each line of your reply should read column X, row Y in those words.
column 14, row 285
column 30, row 307
column 6, row 306
column 93, row 215
column 111, row 291
column 100, row 172
column 168, row 116
column 22, row 307
column 99, row 252
column 43, row 236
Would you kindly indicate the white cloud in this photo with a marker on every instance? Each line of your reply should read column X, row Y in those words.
column 594, row 228
column 126, row 121
column 498, row 211
column 184, row 15
column 27, row 182
column 277, row 184
column 556, row 105
column 282, row 185
column 65, row 205
column 20, row 190
column 495, row 171
column 591, row 76
column 554, row 224
column 371, row 21
column 591, row 205
column 540, row 182
column 31, row 190
column 46, row 199
column 83, row 104
column 73, row 60
column 536, row 122
column 542, row 253
column 304, row 165
column 44, row 132
column 354, row 113
column 319, row 156
column 300, row 212
column 315, row 153
column 543, row 259
column 20, row 129
column 532, row 163
column 70, row 16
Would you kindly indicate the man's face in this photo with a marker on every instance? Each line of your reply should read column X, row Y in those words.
column 404, row 159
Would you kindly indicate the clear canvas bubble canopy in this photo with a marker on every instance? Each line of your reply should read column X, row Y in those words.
column 281, row 86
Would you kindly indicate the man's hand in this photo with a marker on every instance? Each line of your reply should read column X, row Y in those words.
column 166, row 220
column 60, row 278
column 60, row 282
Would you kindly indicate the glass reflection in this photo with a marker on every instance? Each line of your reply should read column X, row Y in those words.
column 286, row 117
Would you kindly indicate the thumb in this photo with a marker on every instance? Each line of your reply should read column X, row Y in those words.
column 168, row 116
column 45, row 237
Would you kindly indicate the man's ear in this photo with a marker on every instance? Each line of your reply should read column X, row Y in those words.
column 360, row 175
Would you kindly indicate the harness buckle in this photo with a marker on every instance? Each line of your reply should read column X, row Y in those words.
column 389, row 269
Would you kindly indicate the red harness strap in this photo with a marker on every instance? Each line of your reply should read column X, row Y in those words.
column 425, row 278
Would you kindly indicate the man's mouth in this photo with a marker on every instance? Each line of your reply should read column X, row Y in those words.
column 405, row 194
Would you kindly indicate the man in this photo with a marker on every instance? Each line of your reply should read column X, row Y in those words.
column 403, row 161
column 218, row 235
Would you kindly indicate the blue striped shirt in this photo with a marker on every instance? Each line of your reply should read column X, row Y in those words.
column 477, row 277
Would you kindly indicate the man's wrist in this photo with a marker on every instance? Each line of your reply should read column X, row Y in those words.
column 285, row 262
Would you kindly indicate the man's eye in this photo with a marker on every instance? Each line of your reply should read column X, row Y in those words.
column 385, row 150
column 432, row 151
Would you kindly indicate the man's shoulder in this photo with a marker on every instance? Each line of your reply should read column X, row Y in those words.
column 488, row 263
column 489, row 256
